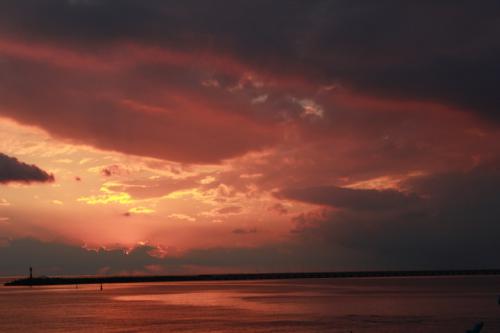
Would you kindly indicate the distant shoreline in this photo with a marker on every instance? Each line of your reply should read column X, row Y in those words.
column 45, row 281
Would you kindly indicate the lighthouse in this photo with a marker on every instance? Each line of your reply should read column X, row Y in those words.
column 31, row 272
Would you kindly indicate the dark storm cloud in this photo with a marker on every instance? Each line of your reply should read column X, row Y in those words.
column 13, row 170
column 456, row 226
column 169, row 79
column 56, row 258
column 421, row 50
column 355, row 199
column 129, row 111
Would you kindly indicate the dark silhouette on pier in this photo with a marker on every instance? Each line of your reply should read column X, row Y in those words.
column 477, row 328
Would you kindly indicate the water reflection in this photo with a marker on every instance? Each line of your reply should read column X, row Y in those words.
column 228, row 299
column 431, row 305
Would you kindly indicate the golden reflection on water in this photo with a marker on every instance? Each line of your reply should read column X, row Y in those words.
column 228, row 299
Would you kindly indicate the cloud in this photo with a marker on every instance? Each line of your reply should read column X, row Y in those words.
column 112, row 170
column 242, row 231
column 278, row 208
column 56, row 258
column 137, row 83
column 182, row 217
column 154, row 188
column 319, row 101
column 13, row 170
column 355, row 199
column 452, row 227
column 229, row 210
column 452, row 62
column 456, row 225
column 192, row 126
column 59, row 258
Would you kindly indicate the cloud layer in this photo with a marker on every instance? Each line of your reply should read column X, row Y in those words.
column 232, row 134
column 13, row 170
column 454, row 225
column 201, row 83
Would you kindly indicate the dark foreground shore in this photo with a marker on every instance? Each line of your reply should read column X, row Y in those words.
column 41, row 281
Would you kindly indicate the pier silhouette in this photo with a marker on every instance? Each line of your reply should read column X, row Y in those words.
column 44, row 280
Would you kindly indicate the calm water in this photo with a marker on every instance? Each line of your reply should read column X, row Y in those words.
column 324, row 305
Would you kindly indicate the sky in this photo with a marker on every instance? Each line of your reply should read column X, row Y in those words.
column 184, row 137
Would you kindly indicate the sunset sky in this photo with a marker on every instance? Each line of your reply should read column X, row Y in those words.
column 248, row 136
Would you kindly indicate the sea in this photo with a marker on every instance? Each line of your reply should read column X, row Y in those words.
column 357, row 305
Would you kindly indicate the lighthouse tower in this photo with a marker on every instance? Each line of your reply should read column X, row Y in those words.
column 31, row 272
